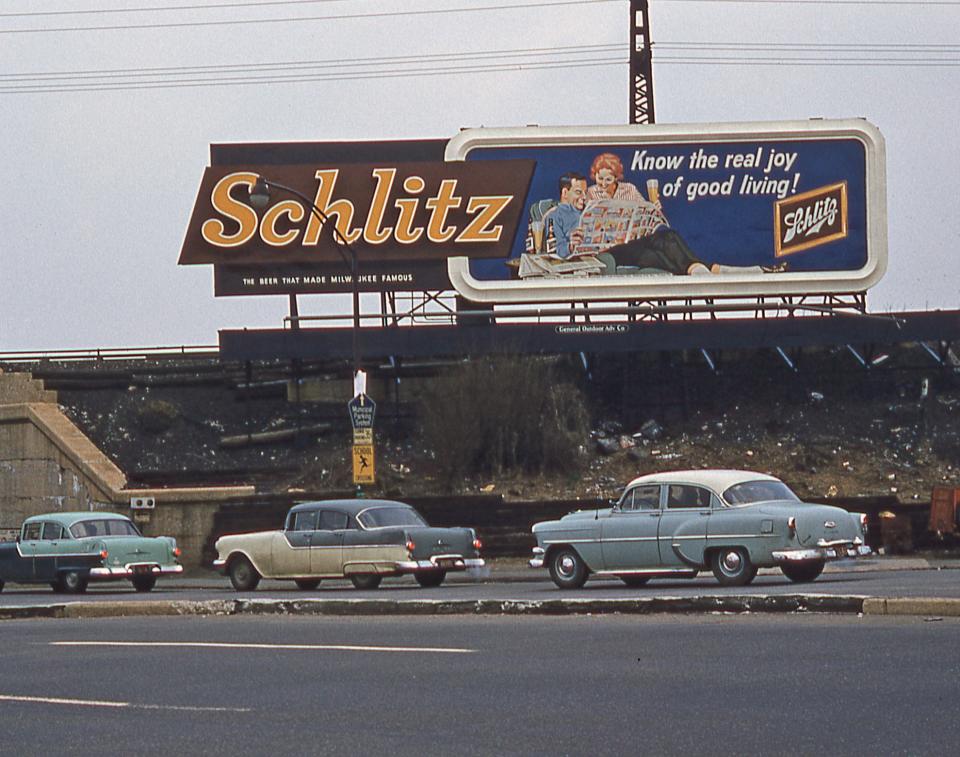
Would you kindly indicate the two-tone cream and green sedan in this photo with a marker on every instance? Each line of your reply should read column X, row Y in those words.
column 361, row 539
column 673, row 525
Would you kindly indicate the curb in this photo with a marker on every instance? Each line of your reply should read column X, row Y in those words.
column 949, row 608
column 797, row 603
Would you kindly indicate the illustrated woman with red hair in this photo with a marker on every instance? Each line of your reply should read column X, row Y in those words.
column 607, row 175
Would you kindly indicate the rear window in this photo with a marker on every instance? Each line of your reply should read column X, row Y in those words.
column 759, row 491
column 381, row 517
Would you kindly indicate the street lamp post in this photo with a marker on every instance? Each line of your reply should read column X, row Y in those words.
column 260, row 198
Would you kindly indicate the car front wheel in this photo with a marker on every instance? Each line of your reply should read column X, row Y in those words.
column 567, row 569
column 366, row 581
column 431, row 578
column 803, row 572
column 732, row 566
column 144, row 583
column 243, row 575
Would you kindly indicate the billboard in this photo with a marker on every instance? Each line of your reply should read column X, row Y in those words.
column 686, row 211
column 539, row 214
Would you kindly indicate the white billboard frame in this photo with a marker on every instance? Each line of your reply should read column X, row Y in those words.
column 668, row 286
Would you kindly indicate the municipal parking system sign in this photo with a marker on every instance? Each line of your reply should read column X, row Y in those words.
column 362, row 413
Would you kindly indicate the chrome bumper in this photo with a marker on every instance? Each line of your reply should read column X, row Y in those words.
column 440, row 562
column 823, row 551
column 537, row 560
column 134, row 569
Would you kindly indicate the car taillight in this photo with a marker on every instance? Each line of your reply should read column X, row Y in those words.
column 104, row 554
column 477, row 544
column 792, row 525
column 410, row 545
column 863, row 521
column 176, row 551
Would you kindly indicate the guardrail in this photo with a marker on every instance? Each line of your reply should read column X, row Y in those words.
column 110, row 353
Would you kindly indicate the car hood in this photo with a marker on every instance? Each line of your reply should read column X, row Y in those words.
column 573, row 519
column 814, row 521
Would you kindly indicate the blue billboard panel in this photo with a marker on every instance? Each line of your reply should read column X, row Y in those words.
column 716, row 209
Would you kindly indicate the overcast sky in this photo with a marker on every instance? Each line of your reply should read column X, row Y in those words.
column 100, row 167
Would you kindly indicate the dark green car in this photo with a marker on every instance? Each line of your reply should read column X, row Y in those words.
column 68, row 550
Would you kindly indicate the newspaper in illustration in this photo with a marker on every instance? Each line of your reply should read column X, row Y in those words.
column 606, row 223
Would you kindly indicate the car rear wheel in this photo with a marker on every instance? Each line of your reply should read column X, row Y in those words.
column 243, row 575
column 143, row 583
column 732, row 566
column 430, row 579
column 73, row 582
column 307, row 584
column 634, row 581
column 366, row 581
column 803, row 572
column 567, row 569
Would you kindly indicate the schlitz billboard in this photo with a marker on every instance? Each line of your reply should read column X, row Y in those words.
column 537, row 214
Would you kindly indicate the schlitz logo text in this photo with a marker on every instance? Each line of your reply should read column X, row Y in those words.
column 385, row 212
column 811, row 219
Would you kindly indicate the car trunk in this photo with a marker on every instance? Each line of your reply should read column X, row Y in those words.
column 124, row 551
column 431, row 542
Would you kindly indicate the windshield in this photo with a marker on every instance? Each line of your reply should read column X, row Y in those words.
column 758, row 491
column 381, row 517
column 103, row 527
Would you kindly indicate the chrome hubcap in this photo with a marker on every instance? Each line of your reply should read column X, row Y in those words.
column 731, row 562
column 566, row 565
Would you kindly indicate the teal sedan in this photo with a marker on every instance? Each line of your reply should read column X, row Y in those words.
column 68, row 550
column 675, row 524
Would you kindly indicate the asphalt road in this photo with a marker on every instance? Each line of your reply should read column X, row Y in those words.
column 612, row 685
column 882, row 579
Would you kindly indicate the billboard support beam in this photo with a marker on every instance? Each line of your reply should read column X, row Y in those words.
column 641, row 65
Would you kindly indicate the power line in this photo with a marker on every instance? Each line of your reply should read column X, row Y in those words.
column 301, row 19
column 163, row 8
column 338, row 62
column 259, row 74
column 298, row 78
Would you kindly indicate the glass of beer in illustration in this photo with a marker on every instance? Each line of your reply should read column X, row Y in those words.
column 537, row 228
column 653, row 190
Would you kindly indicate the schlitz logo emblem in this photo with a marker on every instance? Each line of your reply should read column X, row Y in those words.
column 810, row 219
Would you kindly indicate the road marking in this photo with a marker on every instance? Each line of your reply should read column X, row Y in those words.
column 116, row 705
column 282, row 647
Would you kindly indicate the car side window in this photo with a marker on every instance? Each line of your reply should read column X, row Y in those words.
column 646, row 498
column 31, row 531
column 52, row 531
column 304, row 520
column 683, row 496
column 331, row 520
column 641, row 498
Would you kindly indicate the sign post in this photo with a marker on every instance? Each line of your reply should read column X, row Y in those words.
column 362, row 412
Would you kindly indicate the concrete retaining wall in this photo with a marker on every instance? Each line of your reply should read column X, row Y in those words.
column 48, row 465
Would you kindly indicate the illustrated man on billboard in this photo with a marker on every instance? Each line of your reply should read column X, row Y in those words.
column 658, row 246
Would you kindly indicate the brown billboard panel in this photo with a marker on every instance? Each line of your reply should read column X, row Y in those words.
column 386, row 212
column 413, row 276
